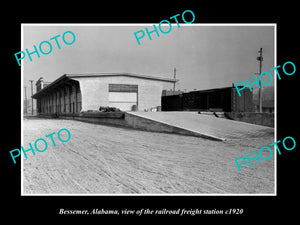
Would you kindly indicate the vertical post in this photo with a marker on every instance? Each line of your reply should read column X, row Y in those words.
column 56, row 102
column 25, row 100
column 65, row 99
column 259, row 90
column 75, row 97
column 31, row 97
column 70, row 99
column 174, row 82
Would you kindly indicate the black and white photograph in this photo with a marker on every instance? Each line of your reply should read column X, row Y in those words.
column 170, row 115
column 149, row 111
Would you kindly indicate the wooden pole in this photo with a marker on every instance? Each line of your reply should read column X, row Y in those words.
column 259, row 90
column 174, row 79
column 31, row 97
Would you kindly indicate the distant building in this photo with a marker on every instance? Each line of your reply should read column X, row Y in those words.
column 171, row 92
column 219, row 99
column 74, row 93
column 27, row 107
column 40, row 84
column 267, row 106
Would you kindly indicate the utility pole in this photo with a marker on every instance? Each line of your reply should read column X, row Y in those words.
column 174, row 79
column 260, row 59
column 31, row 97
column 25, row 100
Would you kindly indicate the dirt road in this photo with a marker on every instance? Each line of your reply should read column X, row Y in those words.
column 106, row 160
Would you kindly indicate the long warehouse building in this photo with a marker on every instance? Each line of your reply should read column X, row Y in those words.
column 75, row 93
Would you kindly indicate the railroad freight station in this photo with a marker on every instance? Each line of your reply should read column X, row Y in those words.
column 75, row 93
column 107, row 112
column 142, row 102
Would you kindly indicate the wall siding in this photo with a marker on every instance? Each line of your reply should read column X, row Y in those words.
column 65, row 99
column 94, row 91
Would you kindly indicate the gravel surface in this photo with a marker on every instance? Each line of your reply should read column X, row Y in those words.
column 110, row 160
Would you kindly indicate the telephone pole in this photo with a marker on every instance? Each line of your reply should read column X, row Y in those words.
column 31, row 97
column 174, row 79
column 25, row 100
column 260, row 59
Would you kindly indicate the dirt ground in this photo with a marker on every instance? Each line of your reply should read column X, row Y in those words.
column 110, row 160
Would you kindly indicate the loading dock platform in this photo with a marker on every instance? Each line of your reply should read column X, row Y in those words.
column 192, row 123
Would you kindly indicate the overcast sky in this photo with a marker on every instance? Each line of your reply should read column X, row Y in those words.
column 204, row 56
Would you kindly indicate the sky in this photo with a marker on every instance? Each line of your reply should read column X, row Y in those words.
column 205, row 55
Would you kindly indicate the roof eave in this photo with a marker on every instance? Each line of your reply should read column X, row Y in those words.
column 37, row 94
column 70, row 76
column 123, row 74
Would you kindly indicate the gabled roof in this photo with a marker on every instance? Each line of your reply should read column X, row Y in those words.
column 64, row 79
column 121, row 74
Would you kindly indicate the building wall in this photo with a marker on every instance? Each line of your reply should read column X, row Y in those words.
column 64, row 99
column 171, row 103
column 149, row 96
column 264, row 119
column 207, row 99
column 225, row 99
column 243, row 103
column 94, row 91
